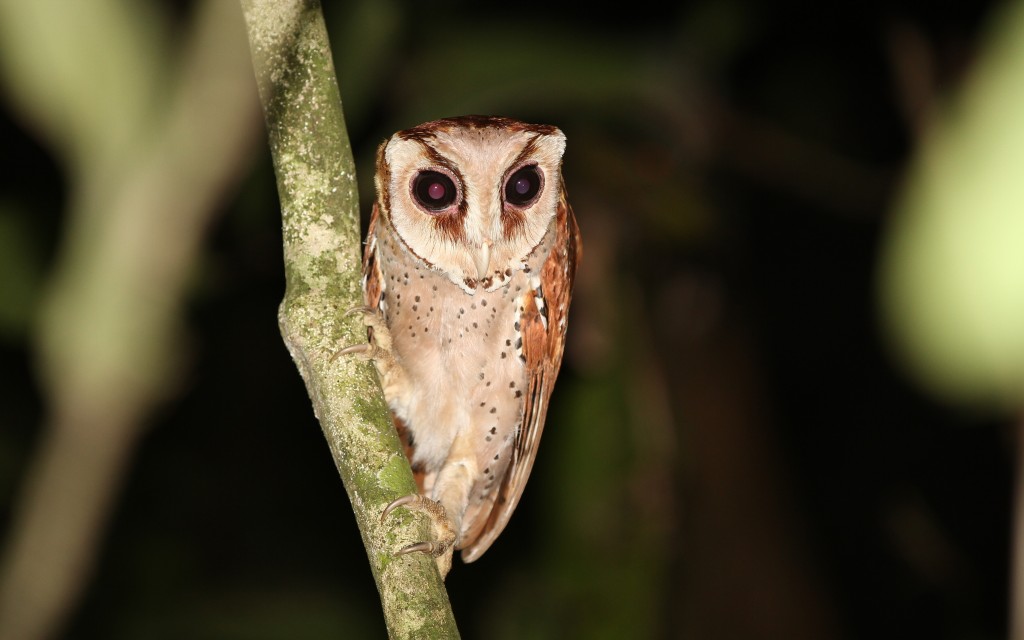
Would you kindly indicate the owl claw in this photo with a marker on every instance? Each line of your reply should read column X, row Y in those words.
column 354, row 349
column 380, row 350
column 400, row 502
column 423, row 547
column 440, row 549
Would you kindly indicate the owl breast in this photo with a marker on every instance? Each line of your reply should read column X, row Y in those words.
column 461, row 354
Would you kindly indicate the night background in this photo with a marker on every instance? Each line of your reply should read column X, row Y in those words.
column 743, row 441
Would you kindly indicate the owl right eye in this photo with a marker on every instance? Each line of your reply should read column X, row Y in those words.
column 434, row 191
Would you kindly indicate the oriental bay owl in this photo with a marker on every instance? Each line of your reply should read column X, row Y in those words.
column 467, row 273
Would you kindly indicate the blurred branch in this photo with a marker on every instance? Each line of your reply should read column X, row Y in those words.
column 145, row 181
column 795, row 164
column 87, row 76
column 320, row 209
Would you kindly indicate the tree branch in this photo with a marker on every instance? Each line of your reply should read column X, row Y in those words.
column 320, row 209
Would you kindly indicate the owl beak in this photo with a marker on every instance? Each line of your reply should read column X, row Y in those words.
column 483, row 259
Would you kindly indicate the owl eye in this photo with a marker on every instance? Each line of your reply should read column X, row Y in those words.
column 434, row 191
column 522, row 187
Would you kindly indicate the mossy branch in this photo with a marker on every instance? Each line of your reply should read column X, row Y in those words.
column 320, row 209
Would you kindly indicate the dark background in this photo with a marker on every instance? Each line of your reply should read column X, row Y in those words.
column 732, row 449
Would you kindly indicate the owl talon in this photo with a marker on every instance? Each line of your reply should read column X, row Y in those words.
column 440, row 549
column 400, row 502
column 361, row 350
column 421, row 547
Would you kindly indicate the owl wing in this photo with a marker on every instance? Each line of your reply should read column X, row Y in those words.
column 542, row 327
column 373, row 290
column 373, row 295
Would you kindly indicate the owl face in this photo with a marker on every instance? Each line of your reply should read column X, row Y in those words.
column 471, row 197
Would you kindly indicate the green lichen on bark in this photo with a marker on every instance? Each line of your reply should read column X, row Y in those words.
column 317, row 187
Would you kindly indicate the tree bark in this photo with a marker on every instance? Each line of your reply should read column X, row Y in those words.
column 320, row 210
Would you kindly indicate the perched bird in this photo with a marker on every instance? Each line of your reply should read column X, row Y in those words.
column 468, row 273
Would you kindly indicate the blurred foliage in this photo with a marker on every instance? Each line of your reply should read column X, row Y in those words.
column 731, row 452
column 955, row 270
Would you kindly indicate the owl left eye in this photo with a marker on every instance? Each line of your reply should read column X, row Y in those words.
column 434, row 191
column 522, row 187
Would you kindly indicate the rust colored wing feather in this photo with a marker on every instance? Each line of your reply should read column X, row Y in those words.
column 373, row 292
column 372, row 279
column 542, row 347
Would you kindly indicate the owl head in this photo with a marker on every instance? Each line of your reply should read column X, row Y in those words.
column 473, row 196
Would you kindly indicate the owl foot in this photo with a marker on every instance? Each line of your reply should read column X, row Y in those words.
column 442, row 548
column 380, row 349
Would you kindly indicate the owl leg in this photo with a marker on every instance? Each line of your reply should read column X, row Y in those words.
column 451, row 491
column 442, row 547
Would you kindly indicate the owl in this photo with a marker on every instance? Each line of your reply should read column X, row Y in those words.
column 468, row 272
